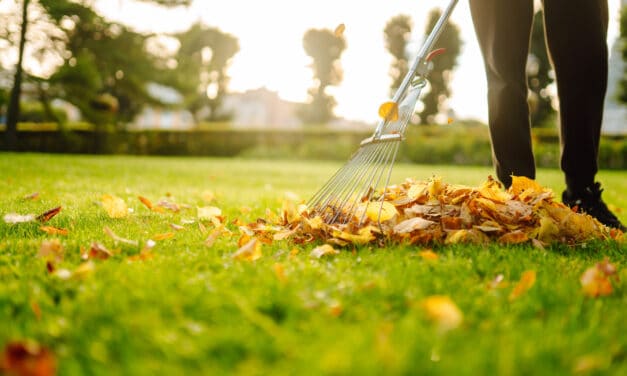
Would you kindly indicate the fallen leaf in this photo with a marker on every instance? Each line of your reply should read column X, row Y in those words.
column 527, row 280
column 208, row 212
column 13, row 218
column 413, row 224
column 428, row 254
column 279, row 272
column 514, row 237
column 250, row 251
column 51, row 250
column 323, row 250
column 596, row 280
column 97, row 251
column 388, row 111
column 146, row 202
column 339, row 30
column 214, row 235
column 84, row 270
column 114, row 206
column 117, row 238
column 51, row 230
column 207, row 196
column 164, row 236
column 176, row 227
column 27, row 358
column 33, row 196
column 443, row 312
column 46, row 216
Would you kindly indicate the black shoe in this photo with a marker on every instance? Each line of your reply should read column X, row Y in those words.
column 589, row 201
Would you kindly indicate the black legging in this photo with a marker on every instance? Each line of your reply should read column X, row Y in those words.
column 576, row 32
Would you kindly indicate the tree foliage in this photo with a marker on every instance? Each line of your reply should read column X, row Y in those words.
column 201, row 73
column 539, row 74
column 325, row 49
column 397, row 33
column 435, row 100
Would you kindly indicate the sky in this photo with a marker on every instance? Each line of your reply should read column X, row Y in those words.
column 271, row 54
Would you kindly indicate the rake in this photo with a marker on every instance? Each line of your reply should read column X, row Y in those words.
column 362, row 181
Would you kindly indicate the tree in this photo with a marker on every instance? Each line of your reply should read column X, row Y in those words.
column 201, row 72
column 539, row 74
column 13, row 111
column 325, row 49
column 435, row 100
column 397, row 32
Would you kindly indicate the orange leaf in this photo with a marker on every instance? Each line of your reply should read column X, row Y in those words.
column 428, row 254
column 146, row 202
column 250, row 251
column 33, row 196
column 339, row 30
column 165, row 235
column 527, row 280
column 51, row 250
column 50, row 230
column 514, row 237
column 596, row 280
column 46, row 216
column 98, row 251
column 388, row 111
column 27, row 358
column 323, row 250
column 279, row 272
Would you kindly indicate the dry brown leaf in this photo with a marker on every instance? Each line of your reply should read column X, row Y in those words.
column 97, row 251
column 214, row 235
column 27, row 358
column 114, row 206
column 49, row 214
column 527, row 280
column 51, row 230
column 51, row 250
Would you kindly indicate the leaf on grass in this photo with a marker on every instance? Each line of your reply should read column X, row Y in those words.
column 51, row 230
column 27, row 358
column 146, row 202
column 114, row 206
column 47, row 215
column 279, row 272
column 339, row 30
column 83, row 271
column 443, row 312
column 428, row 254
column 323, row 250
column 97, row 251
column 209, row 213
column 596, row 280
column 117, row 238
column 214, row 235
column 33, row 196
column 13, row 218
column 250, row 251
column 527, row 280
column 51, row 250
column 388, row 111
column 176, row 227
column 164, row 236
column 165, row 204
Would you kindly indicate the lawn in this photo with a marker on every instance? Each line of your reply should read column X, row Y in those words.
column 193, row 309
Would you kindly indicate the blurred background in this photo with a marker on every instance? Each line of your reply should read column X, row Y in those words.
column 274, row 79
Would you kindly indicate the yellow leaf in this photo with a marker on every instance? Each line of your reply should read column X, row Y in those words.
column 214, row 235
column 443, row 312
column 428, row 254
column 378, row 211
column 209, row 212
column 388, row 111
column 521, row 184
column 339, row 30
column 114, row 206
column 363, row 236
column 527, row 280
column 250, row 251
column 514, row 237
column 207, row 196
column 279, row 272
column 323, row 250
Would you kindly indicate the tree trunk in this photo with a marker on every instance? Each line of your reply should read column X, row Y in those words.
column 13, row 112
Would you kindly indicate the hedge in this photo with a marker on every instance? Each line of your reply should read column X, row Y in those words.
column 456, row 144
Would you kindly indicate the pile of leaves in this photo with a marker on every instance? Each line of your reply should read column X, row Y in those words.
column 434, row 212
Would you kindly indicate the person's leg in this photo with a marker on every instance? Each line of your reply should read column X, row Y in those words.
column 503, row 31
column 576, row 32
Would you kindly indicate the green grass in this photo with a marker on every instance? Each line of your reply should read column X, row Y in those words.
column 193, row 310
